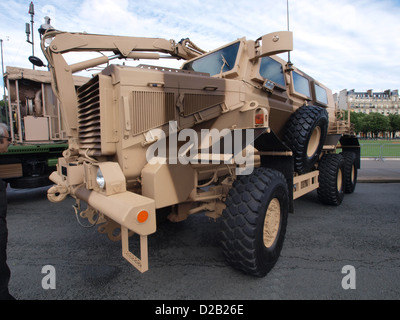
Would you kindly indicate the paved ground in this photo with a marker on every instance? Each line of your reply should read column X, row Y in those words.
column 379, row 171
column 186, row 261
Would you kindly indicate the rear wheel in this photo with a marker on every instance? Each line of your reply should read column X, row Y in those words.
column 350, row 171
column 331, row 179
column 254, row 222
column 30, row 182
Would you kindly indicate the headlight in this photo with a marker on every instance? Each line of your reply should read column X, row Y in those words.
column 101, row 182
column 268, row 85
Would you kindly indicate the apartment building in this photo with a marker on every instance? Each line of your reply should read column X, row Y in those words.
column 386, row 102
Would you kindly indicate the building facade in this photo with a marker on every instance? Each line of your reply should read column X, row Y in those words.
column 385, row 103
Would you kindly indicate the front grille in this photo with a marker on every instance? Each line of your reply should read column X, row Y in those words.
column 89, row 118
column 151, row 110
column 198, row 102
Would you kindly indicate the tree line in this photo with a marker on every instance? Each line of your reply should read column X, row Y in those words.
column 375, row 123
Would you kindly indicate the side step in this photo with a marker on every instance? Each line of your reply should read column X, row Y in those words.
column 305, row 183
column 141, row 264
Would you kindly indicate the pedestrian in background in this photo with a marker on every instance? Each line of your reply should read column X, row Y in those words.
column 4, row 269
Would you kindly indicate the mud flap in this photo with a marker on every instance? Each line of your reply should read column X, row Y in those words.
column 350, row 143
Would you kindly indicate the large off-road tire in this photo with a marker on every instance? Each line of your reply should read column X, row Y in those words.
column 162, row 215
column 331, row 179
column 305, row 133
column 350, row 171
column 30, row 182
column 254, row 222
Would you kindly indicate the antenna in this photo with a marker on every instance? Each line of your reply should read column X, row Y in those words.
column 289, row 64
column 287, row 14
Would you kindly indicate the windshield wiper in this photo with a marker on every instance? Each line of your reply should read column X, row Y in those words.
column 224, row 63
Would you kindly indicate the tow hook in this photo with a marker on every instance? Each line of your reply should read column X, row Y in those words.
column 57, row 193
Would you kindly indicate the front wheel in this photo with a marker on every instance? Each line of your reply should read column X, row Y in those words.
column 254, row 222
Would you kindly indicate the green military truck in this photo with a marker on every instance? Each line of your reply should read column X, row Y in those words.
column 32, row 113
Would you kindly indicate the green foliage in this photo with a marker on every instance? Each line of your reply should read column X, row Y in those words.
column 375, row 123
column 2, row 111
column 360, row 122
column 394, row 121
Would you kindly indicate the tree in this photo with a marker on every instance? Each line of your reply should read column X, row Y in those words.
column 359, row 120
column 394, row 122
column 377, row 123
column 2, row 111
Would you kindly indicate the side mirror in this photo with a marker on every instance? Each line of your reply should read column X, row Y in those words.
column 36, row 61
column 276, row 42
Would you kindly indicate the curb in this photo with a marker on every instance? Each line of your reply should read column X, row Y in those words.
column 378, row 180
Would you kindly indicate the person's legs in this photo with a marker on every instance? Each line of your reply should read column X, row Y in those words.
column 4, row 269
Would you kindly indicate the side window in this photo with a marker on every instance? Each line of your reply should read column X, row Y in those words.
column 272, row 70
column 320, row 94
column 301, row 84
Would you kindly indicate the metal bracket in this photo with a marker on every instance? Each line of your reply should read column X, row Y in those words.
column 141, row 264
column 305, row 183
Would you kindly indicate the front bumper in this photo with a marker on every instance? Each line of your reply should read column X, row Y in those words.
column 125, row 208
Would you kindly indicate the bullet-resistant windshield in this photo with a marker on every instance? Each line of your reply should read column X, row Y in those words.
column 217, row 62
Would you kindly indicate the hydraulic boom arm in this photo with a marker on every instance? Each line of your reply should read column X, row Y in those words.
column 121, row 47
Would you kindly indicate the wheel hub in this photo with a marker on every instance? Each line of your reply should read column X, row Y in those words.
column 314, row 142
column 272, row 222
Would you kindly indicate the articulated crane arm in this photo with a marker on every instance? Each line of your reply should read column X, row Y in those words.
column 122, row 47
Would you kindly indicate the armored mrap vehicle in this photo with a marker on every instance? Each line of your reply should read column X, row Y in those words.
column 237, row 133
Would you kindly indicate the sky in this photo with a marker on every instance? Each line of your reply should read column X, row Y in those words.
column 344, row 44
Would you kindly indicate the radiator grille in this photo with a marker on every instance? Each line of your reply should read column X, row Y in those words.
column 89, row 118
column 197, row 102
column 151, row 110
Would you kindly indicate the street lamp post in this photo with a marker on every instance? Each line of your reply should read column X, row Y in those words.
column 4, row 84
column 28, row 29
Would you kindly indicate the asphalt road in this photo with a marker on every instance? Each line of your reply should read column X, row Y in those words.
column 187, row 263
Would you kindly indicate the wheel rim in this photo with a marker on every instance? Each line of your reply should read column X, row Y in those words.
column 314, row 141
column 339, row 180
column 272, row 222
